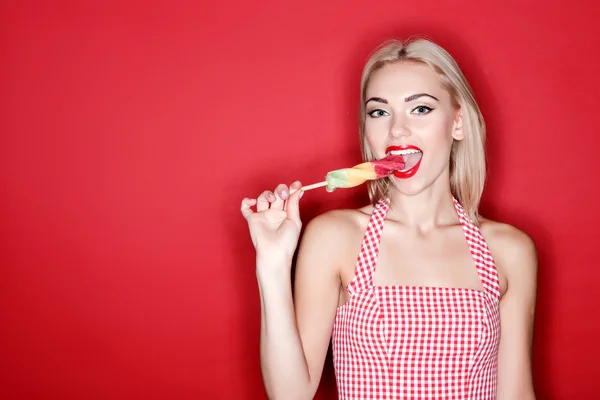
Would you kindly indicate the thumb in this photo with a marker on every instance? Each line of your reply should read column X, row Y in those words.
column 293, row 207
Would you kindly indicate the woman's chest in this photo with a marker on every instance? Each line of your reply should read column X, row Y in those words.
column 431, row 321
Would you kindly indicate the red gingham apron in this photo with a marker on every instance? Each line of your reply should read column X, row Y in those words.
column 409, row 342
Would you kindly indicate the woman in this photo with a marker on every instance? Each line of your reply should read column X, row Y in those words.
column 421, row 297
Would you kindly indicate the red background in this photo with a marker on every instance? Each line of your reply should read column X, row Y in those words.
column 130, row 134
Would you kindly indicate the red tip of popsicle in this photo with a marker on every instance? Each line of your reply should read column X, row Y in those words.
column 386, row 166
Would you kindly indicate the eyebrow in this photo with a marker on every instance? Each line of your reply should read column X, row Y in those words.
column 416, row 96
column 407, row 99
column 377, row 99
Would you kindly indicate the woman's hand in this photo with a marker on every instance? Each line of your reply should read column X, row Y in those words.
column 275, row 225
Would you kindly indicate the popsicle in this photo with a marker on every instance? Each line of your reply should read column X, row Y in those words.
column 357, row 175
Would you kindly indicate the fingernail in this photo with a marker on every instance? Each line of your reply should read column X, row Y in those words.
column 271, row 196
column 284, row 194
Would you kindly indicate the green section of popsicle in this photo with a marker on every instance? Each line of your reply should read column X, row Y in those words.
column 349, row 177
column 336, row 179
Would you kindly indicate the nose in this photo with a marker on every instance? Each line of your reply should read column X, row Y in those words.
column 399, row 128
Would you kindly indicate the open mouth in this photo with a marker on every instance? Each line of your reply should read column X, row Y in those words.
column 411, row 155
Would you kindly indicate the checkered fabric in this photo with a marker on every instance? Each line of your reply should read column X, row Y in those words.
column 409, row 342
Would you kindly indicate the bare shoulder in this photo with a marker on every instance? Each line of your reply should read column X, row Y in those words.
column 513, row 250
column 508, row 240
column 334, row 234
column 336, row 225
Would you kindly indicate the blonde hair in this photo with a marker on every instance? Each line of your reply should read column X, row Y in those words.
column 467, row 158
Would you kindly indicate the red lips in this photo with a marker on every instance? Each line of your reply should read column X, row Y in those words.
column 409, row 159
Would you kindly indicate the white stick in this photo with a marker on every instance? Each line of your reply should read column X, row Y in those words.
column 314, row 186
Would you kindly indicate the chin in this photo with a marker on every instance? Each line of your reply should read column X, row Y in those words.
column 409, row 187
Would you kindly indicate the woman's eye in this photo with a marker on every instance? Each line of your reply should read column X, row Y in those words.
column 377, row 113
column 421, row 110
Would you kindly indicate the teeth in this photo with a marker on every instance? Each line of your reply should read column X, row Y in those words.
column 403, row 152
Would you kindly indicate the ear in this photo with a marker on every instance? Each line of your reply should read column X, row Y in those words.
column 457, row 129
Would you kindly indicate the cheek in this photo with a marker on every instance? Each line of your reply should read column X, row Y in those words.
column 438, row 130
column 371, row 145
column 373, row 136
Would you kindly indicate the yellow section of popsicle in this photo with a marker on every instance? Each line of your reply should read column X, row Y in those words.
column 350, row 177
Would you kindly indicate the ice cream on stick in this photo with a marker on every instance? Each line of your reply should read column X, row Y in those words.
column 357, row 175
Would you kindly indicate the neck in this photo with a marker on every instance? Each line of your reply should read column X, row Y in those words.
column 425, row 211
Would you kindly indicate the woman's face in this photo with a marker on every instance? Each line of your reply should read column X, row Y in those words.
column 408, row 112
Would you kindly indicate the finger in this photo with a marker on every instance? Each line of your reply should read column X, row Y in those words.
column 293, row 207
column 246, row 207
column 295, row 186
column 282, row 193
column 263, row 201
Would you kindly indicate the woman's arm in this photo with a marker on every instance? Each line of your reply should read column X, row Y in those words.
column 295, row 333
column 516, row 259
column 294, row 338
